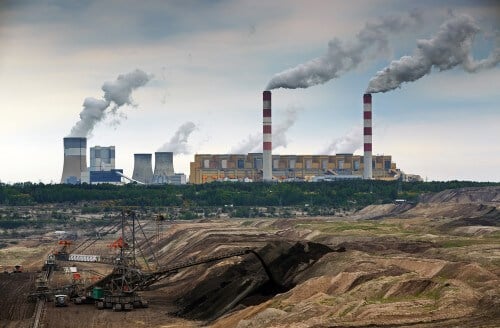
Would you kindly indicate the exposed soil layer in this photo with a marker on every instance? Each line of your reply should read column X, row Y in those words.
column 253, row 278
column 464, row 195
column 15, row 311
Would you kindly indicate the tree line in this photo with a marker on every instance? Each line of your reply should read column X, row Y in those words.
column 345, row 194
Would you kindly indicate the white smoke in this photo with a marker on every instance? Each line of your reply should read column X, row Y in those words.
column 346, row 144
column 178, row 144
column 253, row 143
column 249, row 145
column 279, row 133
column 93, row 112
column 340, row 57
column 450, row 47
column 117, row 92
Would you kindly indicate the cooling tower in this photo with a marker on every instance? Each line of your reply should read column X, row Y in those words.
column 267, row 145
column 367, row 135
column 164, row 167
column 143, row 168
column 75, row 160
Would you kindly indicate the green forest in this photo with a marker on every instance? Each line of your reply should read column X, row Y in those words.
column 339, row 194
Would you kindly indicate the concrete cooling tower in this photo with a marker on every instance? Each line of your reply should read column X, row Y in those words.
column 164, row 167
column 75, row 160
column 143, row 168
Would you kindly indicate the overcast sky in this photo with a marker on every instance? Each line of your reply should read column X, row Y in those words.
column 210, row 62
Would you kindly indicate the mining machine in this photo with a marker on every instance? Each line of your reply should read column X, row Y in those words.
column 118, row 290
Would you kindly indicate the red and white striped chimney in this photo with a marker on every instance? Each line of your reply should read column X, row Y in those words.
column 367, row 135
column 267, row 145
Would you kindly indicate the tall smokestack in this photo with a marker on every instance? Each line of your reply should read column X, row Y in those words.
column 367, row 134
column 75, row 160
column 164, row 167
column 267, row 144
column 143, row 168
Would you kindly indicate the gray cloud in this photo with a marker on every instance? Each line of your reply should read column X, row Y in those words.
column 343, row 57
column 450, row 47
column 178, row 144
column 117, row 92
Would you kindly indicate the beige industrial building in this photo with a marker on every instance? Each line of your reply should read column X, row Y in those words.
column 241, row 167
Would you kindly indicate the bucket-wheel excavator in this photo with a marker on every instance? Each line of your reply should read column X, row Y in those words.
column 118, row 289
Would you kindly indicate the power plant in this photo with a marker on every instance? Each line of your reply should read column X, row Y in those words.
column 268, row 167
column 234, row 167
column 75, row 160
column 248, row 167
column 102, row 166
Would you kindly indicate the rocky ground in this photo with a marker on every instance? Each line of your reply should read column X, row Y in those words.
column 431, row 264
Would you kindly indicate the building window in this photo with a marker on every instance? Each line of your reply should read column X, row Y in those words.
column 206, row 163
column 223, row 163
column 324, row 164
column 241, row 163
column 276, row 164
column 387, row 165
column 291, row 163
column 308, row 163
column 356, row 165
column 257, row 163
column 341, row 165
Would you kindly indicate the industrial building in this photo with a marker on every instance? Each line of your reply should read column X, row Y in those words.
column 102, row 167
column 262, row 166
column 102, row 163
column 102, row 158
column 249, row 167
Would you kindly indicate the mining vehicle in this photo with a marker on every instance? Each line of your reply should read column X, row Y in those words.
column 123, row 301
column 42, row 290
column 60, row 300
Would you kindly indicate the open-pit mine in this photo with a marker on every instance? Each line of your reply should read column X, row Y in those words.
column 434, row 263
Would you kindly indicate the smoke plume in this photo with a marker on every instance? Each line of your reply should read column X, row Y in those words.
column 279, row 134
column 116, row 92
column 345, row 144
column 249, row 145
column 178, row 143
column 119, row 91
column 253, row 143
column 450, row 47
column 340, row 57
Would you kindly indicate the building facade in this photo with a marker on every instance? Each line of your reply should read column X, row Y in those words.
column 241, row 167
column 102, row 167
column 102, row 158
